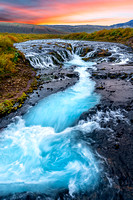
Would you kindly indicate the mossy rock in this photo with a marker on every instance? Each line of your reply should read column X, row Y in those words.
column 69, row 49
column 86, row 59
column 40, row 48
column 85, row 51
column 100, row 87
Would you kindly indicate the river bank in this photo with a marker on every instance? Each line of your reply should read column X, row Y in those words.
column 114, row 141
column 48, row 82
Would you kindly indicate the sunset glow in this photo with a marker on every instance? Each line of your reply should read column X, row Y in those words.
column 100, row 12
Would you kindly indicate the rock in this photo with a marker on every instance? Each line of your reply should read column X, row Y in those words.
column 112, row 59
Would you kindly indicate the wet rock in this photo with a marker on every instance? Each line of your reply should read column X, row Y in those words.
column 55, row 77
column 85, row 51
column 101, row 53
column 112, row 59
column 114, row 140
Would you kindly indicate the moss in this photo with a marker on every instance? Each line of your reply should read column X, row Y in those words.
column 40, row 48
column 69, row 49
column 9, row 95
column 30, row 90
column 100, row 88
column 85, row 51
column 104, row 53
column 86, row 59
column 22, row 98
column 6, row 107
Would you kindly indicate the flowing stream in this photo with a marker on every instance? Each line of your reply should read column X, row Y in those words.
column 61, row 110
column 44, row 151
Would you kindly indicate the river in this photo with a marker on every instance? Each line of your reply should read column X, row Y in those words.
column 44, row 151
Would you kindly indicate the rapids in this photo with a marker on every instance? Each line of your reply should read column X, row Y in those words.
column 44, row 151
column 61, row 110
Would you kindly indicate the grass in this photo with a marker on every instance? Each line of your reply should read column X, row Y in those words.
column 15, row 73
column 13, row 79
column 119, row 35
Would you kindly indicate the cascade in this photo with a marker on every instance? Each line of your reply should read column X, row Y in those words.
column 46, row 151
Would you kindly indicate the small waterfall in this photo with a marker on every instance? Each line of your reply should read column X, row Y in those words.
column 65, row 114
column 46, row 54
column 54, row 52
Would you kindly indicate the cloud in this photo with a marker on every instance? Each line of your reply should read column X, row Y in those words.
column 28, row 3
column 67, row 12
column 11, row 14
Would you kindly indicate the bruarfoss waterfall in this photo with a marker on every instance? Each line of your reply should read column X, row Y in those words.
column 46, row 151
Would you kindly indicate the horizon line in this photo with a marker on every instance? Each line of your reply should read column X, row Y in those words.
column 61, row 24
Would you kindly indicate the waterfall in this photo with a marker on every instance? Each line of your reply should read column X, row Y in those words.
column 51, row 53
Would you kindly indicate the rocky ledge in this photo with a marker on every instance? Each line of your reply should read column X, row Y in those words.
column 114, row 138
column 48, row 82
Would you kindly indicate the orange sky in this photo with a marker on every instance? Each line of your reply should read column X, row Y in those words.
column 100, row 12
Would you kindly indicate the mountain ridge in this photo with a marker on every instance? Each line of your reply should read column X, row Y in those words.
column 57, row 29
column 123, row 25
column 26, row 28
column 89, row 28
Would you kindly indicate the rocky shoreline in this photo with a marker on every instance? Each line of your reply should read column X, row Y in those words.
column 49, row 82
column 114, row 139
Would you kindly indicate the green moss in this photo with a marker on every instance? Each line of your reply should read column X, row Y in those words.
column 30, row 90
column 22, row 98
column 100, row 88
column 6, row 107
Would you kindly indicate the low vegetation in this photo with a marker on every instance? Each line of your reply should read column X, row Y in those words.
column 119, row 35
column 17, row 77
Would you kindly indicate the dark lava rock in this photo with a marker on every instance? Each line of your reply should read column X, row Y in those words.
column 114, row 143
column 112, row 59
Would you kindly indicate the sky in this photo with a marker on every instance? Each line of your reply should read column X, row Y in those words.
column 94, row 12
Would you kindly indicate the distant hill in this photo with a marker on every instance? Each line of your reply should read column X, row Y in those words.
column 26, row 28
column 88, row 28
column 77, row 28
column 123, row 25
column 57, row 29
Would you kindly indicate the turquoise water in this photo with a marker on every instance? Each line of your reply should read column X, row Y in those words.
column 61, row 110
column 44, row 151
